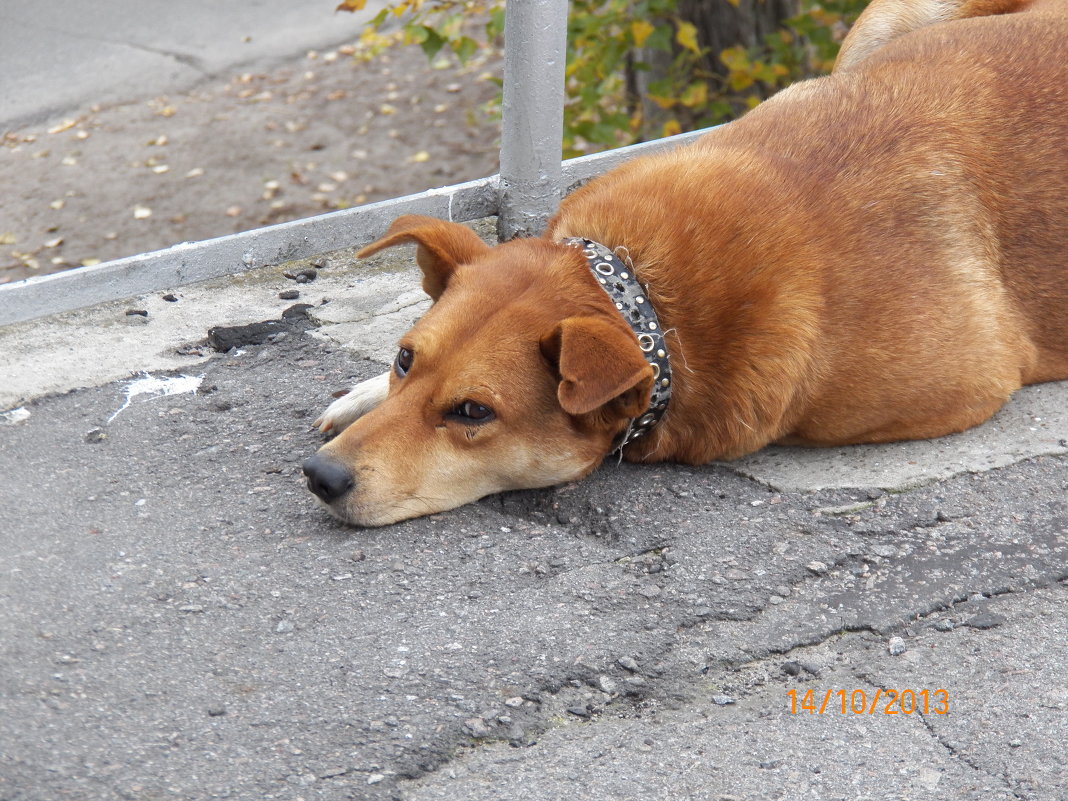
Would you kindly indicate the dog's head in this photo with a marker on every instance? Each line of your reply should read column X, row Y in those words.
column 520, row 375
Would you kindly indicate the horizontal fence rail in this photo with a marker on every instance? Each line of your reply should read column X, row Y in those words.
column 190, row 262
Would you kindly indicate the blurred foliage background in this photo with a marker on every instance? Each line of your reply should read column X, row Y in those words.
column 640, row 69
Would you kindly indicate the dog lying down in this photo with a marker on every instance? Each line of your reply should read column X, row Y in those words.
column 876, row 255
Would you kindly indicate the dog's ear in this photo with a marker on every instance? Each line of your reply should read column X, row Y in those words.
column 443, row 246
column 598, row 363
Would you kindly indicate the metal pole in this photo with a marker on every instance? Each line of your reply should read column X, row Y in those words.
column 535, row 46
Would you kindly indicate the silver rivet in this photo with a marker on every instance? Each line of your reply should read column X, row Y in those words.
column 652, row 326
column 619, row 306
column 602, row 280
column 665, row 382
column 661, row 353
column 640, row 299
column 624, row 276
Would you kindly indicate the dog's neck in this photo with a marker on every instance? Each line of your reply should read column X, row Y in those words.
column 615, row 275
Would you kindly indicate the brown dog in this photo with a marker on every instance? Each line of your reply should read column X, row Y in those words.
column 877, row 255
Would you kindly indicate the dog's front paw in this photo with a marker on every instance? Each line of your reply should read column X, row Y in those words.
column 359, row 400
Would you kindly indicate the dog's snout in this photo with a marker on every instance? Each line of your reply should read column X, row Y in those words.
column 326, row 478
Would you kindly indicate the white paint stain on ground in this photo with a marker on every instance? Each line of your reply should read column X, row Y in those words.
column 158, row 387
column 14, row 416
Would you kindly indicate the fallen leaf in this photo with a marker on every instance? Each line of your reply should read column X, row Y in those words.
column 69, row 161
column 351, row 5
column 159, row 169
column 196, row 172
column 90, row 262
column 7, row 238
column 167, row 111
column 66, row 125
column 420, row 157
column 142, row 212
column 159, row 141
column 54, row 243
column 233, row 211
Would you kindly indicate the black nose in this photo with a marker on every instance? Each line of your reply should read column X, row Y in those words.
column 327, row 478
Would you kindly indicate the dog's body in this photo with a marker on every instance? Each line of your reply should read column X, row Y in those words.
column 877, row 255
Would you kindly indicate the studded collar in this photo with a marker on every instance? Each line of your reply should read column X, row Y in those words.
column 616, row 277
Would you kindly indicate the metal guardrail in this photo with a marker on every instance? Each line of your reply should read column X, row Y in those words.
column 523, row 196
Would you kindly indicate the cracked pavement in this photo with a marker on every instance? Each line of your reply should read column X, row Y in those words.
column 180, row 620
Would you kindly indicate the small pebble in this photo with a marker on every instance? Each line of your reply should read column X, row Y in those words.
column 628, row 663
column 514, row 702
column 216, row 711
column 357, row 556
column 191, row 608
column 284, row 627
column 289, row 294
column 137, row 312
column 375, row 778
column 944, row 625
column 722, row 700
column 607, row 685
column 96, row 435
column 477, row 727
column 579, row 711
column 896, row 646
column 791, row 668
column 170, row 298
column 986, row 620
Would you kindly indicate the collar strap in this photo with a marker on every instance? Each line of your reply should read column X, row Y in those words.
column 617, row 278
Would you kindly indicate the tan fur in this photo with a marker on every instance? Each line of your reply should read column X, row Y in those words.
column 876, row 255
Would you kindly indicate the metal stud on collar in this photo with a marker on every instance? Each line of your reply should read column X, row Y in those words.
column 631, row 299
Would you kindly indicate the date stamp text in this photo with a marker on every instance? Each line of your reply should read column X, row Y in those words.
column 877, row 702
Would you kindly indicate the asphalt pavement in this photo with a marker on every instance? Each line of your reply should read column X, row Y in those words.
column 61, row 55
column 179, row 620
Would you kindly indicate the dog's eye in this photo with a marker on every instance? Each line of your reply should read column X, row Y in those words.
column 403, row 363
column 471, row 412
